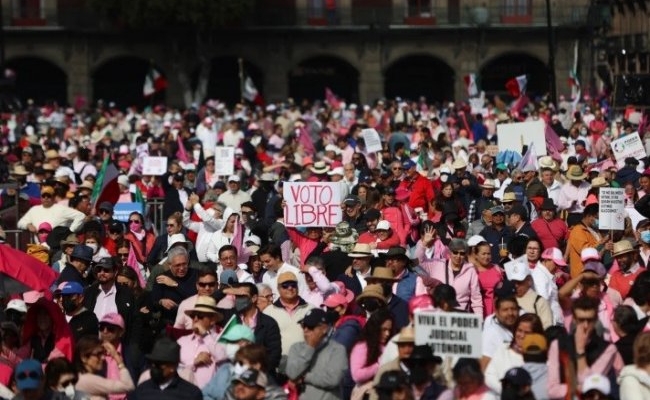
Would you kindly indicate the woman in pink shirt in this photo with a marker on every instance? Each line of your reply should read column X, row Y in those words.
column 89, row 358
column 489, row 275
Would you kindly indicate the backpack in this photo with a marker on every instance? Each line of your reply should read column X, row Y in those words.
column 77, row 175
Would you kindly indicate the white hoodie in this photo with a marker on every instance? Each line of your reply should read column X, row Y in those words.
column 635, row 383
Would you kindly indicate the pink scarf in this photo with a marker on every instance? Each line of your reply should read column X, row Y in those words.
column 113, row 373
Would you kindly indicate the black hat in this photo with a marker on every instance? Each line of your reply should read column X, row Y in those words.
column 352, row 200
column 116, row 226
column 424, row 353
column 389, row 190
column 445, row 293
column 519, row 210
column 396, row 252
column 372, row 214
column 631, row 161
column 179, row 176
column 105, row 262
column 547, row 204
column 313, row 318
column 518, row 377
column 106, row 205
column 165, row 350
column 504, row 289
column 219, row 185
column 392, row 380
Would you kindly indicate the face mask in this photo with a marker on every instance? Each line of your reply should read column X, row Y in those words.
column 69, row 391
column 42, row 237
column 69, row 305
column 136, row 226
column 231, row 350
column 242, row 304
column 92, row 246
column 645, row 236
column 157, row 374
column 239, row 369
column 371, row 305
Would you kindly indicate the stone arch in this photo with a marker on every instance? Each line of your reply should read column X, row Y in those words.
column 120, row 79
column 415, row 75
column 309, row 78
column 496, row 72
column 224, row 82
column 39, row 79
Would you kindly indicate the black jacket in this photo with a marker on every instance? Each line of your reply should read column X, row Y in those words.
column 172, row 199
column 178, row 389
column 83, row 324
column 267, row 333
column 126, row 307
column 71, row 274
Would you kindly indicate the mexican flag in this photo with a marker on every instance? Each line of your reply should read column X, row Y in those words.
column 106, row 187
column 154, row 82
column 471, row 85
column 517, row 85
column 250, row 92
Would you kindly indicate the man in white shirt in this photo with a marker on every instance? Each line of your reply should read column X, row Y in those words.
column 54, row 214
column 498, row 328
column 544, row 280
column 234, row 197
column 271, row 257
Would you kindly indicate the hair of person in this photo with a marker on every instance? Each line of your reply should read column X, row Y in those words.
column 57, row 367
column 478, row 247
column 83, row 348
column 626, row 319
column 517, row 246
column 498, row 301
column 252, row 288
column 539, row 242
column 140, row 217
column 371, row 334
column 209, row 272
column 642, row 350
column 532, row 319
column 176, row 217
column 178, row 251
column 316, row 261
column 123, row 244
column 469, row 367
column 272, row 250
column 590, row 211
column 227, row 247
column 585, row 303
column 555, row 332
column 262, row 287
column 253, row 353
column 644, row 223
column 640, row 291
column 93, row 235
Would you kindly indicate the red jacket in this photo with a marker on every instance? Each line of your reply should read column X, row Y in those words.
column 421, row 192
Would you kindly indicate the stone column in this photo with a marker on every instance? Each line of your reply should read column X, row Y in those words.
column 79, row 72
column 371, row 76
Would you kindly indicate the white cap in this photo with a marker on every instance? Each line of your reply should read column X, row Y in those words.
column 383, row 225
column 234, row 178
column 242, row 266
column 597, row 382
column 124, row 149
column 337, row 171
column 17, row 305
column 517, row 269
column 29, row 130
column 71, row 150
column 589, row 253
column 123, row 180
column 334, row 148
column 254, row 239
column 474, row 240
column 144, row 122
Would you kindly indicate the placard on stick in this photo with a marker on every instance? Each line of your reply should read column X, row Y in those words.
column 315, row 204
column 224, row 160
column 154, row 165
column 611, row 209
column 628, row 146
column 449, row 334
column 516, row 135
column 371, row 139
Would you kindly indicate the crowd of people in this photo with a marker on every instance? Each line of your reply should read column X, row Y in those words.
column 223, row 300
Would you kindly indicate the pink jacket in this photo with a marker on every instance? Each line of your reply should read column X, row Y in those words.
column 398, row 223
column 303, row 243
column 360, row 372
column 468, row 291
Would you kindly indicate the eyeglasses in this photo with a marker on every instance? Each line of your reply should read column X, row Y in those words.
column 108, row 327
column 588, row 320
column 458, row 253
column 28, row 375
column 268, row 297
column 289, row 285
column 104, row 212
column 206, row 284
column 533, row 248
column 226, row 258
column 134, row 221
column 46, row 196
column 123, row 255
column 97, row 353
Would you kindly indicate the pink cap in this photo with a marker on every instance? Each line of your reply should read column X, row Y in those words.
column 555, row 255
column 334, row 300
column 421, row 302
column 45, row 226
column 113, row 319
column 589, row 253
column 32, row 296
column 253, row 126
column 591, row 199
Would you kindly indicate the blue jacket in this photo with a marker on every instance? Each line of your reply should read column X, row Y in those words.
column 406, row 286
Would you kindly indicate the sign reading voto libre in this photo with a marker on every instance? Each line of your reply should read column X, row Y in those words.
column 312, row 204
column 449, row 334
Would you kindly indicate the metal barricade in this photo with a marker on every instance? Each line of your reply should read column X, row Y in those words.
column 17, row 238
column 154, row 213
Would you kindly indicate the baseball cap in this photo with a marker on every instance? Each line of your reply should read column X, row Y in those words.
column 597, row 267
column 17, row 305
column 474, row 240
column 504, row 289
column 45, row 226
column 313, row 318
column 372, row 214
column 519, row 210
column 383, row 225
column 228, row 277
column 234, row 178
column 106, row 205
column 29, row 374
column 534, row 343
column 597, row 382
column 518, row 377
column 555, row 255
column 392, row 380
column 352, row 199
column 589, row 253
column 517, row 270
column 408, row 164
column 252, row 378
column 287, row 277
column 71, row 287
column 497, row 210
column 114, row 319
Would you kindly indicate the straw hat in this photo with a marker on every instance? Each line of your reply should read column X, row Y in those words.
column 372, row 291
column 488, row 184
column 599, row 181
column 509, row 197
column 622, row 247
column 319, row 168
column 459, row 164
column 575, row 173
column 382, row 274
column 406, row 335
column 360, row 250
column 51, row 154
column 205, row 304
column 547, row 162
column 19, row 170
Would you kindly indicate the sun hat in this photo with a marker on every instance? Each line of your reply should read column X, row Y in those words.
column 372, row 291
column 575, row 173
column 622, row 247
column 406, row 335
column 204, row 304
column 319, row 168
column 360, row 250
column 381, row 274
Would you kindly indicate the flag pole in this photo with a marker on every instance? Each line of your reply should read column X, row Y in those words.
column 241, row 80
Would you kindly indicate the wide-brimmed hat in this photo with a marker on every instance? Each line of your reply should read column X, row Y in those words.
column 406, row 335
column 622, row 247
column 575, row 173
column 51, row 154
column 599, row 181
column 205, row 304
column 488, row 184
column 19, row 170
column 268, row 177
column 344, row 291
column 165, row 350
column 509, row 197
column 459, row 164
column 396, row 252
column 82, row 252
column 547, row 204
column 86, row 185
column 360, row 250
column 319, row 168
column 70, row 240
column 547, row 162
column 424, row 353
column 177, row 238
column 383, row 274
column 372, row 291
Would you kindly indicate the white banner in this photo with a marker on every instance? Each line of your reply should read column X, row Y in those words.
column 224, row 161
column 449, row 334
column 628, row 146
column 611, row 209
column 154, row 165
column 371, row 139
column 515, row 135
column 315, row 204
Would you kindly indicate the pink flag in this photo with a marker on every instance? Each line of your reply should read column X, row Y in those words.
column 132, row 262
column 331, row 98
column 305, row 141
column 238, row 241
column 553, row 143
column 181, row 153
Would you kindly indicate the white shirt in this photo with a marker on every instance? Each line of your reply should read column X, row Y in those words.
column 271, row 278
column 554, row 192
column 495, row 336
column 545, row 286
column 105, row 302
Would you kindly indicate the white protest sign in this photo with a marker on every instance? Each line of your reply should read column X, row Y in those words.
column 628, row 146
column 515, row 135
column 224, row 161
column 449, row 334
column 611, row 209
column 312, row 204
column 154, row 165
column 371, row 139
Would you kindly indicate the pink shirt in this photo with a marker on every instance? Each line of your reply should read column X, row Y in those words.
column 488, row 279
column 360, row 372
column 182, row 320
column 191, row 346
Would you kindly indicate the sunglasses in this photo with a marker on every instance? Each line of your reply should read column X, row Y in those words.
column 28, row 375
column 206, row 284
column 104, row 212
column 458, row 253
column 68, row 382
column 108, row 327
column 123, row 255
column 46, row 196
column 97, row 353
column 289, row 285
column 134, row 221
column 105, row 270
column 198, row 315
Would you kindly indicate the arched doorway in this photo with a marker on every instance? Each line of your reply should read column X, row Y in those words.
column 308, row 79
column 121, row 80
column 419, row 75
column 39, row 79
column 224, row 83
column 498, row 71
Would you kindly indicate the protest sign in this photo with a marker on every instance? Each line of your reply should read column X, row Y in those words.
column 224, row 161
column 154, row 165
column 611, row 209
column 628, row 146
column 371, row 139
column 122, row 211
column 312, row 204
column 514, row 136
column 449, row 334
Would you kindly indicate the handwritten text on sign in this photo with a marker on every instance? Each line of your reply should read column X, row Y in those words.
column 611, row 209
column 449, row 334
column 312, row 204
